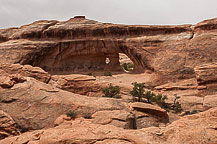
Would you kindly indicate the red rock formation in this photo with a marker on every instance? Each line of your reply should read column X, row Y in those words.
column 199, row 128
column 170, row 51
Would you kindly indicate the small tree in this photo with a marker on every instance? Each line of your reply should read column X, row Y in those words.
column 149, row 96
column 111, row 91
column 176, row 105
column 176, row 98
column 138, row 91
column 160, row 100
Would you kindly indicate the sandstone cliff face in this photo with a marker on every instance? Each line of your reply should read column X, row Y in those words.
column 81, row 44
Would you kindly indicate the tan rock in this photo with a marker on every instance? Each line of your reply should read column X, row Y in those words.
column 77, row 83
column 17, row 71
column 36, row 105
column 117, row 118
column 198, row 128
column 7, row 126
column 206, row 73
column 210, row 101
column 6, row 82
column 84, row 45
column 149, row 108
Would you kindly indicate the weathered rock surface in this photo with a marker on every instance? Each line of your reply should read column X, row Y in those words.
column 25, row 70
column 79, row 84
column 7, row 126
column 198, row 128
column 206, row 73
column 35, row 105
column 149, row 108
column 39, row 82
column 81, row 44
column 118, row 118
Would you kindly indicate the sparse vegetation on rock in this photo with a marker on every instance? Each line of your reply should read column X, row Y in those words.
column 128, row 66
column 111, row 91
column 90, row 74
column 160, row 100
column 176, row 105
column 107, row 73
column 190, row 112
column 87, row 116
column 72, row 114
column 49, row 68
column 138, row 91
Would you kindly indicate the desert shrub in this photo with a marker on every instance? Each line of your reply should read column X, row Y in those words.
column 128, row 66
column 107, row 73
column 176, row 98
column 138, row 91
column 87, row 116
column 160, row 100
column 149, row 96
column 72, row 114
column 177, row 107
column 190, row 112
column 111, row 91
column 90, row 74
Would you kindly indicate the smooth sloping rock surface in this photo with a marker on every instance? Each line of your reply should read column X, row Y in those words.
column 35, row 105
column 198, row 128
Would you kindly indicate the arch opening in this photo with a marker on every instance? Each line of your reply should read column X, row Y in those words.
column 126, row 63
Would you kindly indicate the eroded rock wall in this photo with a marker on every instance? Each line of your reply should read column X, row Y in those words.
column 172, row 52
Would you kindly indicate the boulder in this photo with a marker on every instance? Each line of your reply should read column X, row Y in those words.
column 149, row 109
column 79, row 84
column 118, row 118
column 26, row 71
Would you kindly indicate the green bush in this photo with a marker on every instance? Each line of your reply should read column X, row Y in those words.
column 72, row 114
column 160, row 100
column 107, row 73
column 138, row 91
column 90, row 74
column 149, row 96
column 128, row 66
column 111, row 91
column 87, row 116
column 177, row 107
